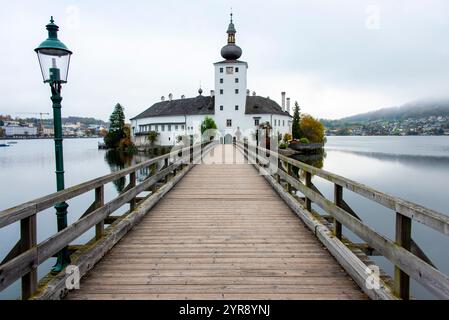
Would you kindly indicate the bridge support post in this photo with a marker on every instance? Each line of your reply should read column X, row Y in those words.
column 403, row 239
column 338, row 200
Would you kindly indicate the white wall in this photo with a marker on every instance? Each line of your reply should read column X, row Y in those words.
column 229, row 99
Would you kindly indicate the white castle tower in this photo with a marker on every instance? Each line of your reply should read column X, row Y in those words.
column 230, row 88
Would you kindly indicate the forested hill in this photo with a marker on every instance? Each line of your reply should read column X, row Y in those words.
column 419, row 109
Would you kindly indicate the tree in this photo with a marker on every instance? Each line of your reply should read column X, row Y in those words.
column 312, row 129
column 296, row 128
column 208, row 124
column 152, row 136
column 116, row 127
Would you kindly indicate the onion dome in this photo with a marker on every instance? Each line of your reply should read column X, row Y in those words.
column 231, row 51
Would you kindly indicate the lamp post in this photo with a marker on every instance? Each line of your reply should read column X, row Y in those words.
column 54, row 60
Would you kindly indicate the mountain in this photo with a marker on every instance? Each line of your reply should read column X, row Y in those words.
column 414, row 110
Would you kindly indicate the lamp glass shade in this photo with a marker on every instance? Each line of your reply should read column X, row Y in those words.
column 54, row 64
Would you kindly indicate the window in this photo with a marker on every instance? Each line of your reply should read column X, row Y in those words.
column 221, row 70
column 157, row 128
column 236, row 91
column 236, row 69
column 221, row 91
column 176, row 127
column 169, row 127
column 283, row 123
column 229, row 70
column 182, row 127
column 236, row 80
column 236, row 108
column 163, row 127
column 151, row 127
column 221, row 80
column 256, row 122
column 221, row 108
column 229, row 123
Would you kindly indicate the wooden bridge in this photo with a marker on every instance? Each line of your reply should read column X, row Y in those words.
column 223, row 222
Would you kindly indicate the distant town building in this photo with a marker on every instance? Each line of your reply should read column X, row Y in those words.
column 12, row 130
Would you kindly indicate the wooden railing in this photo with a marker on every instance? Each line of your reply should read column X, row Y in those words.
column 409, row 260
column 22, row 261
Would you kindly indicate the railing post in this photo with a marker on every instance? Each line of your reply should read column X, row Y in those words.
column 278, row 176
column 338, row 200
column 308, row 185
column 166, row 163
column 28, row 240
column 290, row 173
column 99, row 202
column 191, row 150
column 132, row 184
column 403, row 239
column 245, row 150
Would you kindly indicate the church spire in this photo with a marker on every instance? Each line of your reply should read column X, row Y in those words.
column 231, row 32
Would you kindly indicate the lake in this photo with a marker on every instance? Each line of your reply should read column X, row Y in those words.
column 413, row 168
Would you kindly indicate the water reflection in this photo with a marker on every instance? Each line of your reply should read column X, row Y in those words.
column 313, row 159
column 118, row 161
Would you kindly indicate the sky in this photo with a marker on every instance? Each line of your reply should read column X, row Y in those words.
column 335, row 57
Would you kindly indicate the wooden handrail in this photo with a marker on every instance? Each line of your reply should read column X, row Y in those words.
column 398, row 252
column 426, row 216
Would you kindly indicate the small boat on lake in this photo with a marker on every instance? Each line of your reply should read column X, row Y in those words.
column 4, row 145
column 12, row 142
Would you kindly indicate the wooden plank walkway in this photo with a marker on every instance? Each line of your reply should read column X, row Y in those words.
column 221, row 233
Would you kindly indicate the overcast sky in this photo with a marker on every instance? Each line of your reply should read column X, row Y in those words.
column 336, row 58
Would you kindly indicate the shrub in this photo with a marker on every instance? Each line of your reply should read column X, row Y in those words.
column 287, row 137
column 283, row 146
column 304, row 141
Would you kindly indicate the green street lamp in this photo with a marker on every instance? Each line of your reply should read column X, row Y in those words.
column 54, row 60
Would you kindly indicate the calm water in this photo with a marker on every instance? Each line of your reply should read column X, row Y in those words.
column 414, row 168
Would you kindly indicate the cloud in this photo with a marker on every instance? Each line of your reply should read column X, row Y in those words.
column 336, row 58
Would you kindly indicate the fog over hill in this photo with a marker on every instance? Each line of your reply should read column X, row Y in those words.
column 417, row 109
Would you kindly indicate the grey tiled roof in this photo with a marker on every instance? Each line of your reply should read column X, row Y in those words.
column 188, row 106
column 202, row 105
column 261, row 105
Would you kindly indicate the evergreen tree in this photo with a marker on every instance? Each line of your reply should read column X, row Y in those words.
column 116, row 127
column 296, row 130
column 117, row 119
